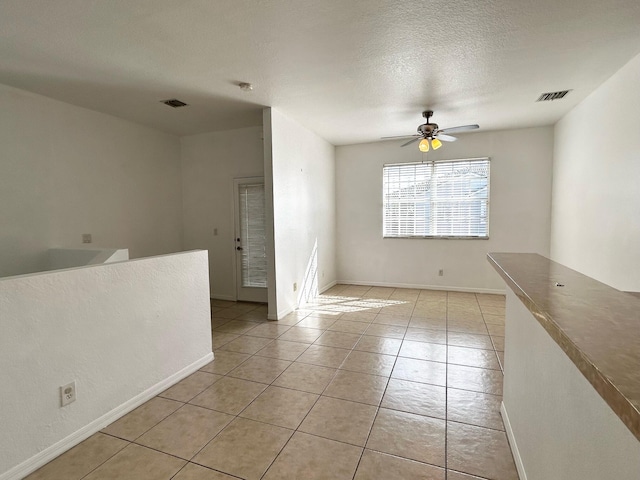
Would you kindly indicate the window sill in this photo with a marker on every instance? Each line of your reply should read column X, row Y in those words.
column 434, row 237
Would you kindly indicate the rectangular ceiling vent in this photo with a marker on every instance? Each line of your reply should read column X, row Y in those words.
column 174, row 102
column 547, row 97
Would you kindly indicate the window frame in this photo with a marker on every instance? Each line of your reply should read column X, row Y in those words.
column 439, row 237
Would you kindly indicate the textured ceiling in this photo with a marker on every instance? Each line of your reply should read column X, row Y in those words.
column 352, row 71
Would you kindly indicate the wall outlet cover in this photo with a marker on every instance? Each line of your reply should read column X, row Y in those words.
column 68, row 393
column 86, row 238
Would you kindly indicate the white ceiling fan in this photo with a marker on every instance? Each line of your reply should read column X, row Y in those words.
column 431, row 132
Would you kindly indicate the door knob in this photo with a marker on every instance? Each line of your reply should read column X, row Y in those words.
column 238, row 248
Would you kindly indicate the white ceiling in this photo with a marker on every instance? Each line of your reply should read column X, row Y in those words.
column 351, row 70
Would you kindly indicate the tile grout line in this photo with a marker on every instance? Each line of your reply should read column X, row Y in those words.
column 137, row 445
column 134, row 441
column 389, row 378
column 337, row 370
column 379, row 406
column 446, row 394
column 98, row 466
column 347, row 400
column 352, row 349
column 236, row 416
column 495, row 351
column 375, row 417
column 312, row 407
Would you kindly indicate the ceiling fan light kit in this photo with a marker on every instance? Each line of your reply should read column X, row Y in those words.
column 423, row 146
column 431, row 132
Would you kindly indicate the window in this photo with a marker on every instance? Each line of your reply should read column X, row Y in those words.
column 252, row 235
column 437, row 199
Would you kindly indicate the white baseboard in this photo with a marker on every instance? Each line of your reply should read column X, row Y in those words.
column 327, row 287
column 45, row 456
column 423, row 287
column 228, row 298
column 281, row 314
column 512, row 442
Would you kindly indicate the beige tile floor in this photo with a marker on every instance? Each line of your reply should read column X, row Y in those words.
column 365, row 383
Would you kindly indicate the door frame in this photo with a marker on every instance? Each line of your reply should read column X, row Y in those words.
column 253, row 179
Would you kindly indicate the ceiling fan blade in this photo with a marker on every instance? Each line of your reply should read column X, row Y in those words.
column 399, row 136
column 462, row 128
column 445, row 138
column 411, row 141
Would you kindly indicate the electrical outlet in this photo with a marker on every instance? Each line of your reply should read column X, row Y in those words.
column 295, row 287
column 68, row 393
column 215, row 232
column 86, row 238
column 441, row 273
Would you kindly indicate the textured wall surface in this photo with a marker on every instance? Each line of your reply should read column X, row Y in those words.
column 79, row 257
column 66, row 171
column 210, row 162
column 116, row 329
column 304, row 210
column 596, row 199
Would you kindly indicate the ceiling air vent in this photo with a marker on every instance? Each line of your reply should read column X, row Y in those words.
column 547, row 97
column 174, row 102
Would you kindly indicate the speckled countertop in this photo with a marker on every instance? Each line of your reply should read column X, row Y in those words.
column 597, row 326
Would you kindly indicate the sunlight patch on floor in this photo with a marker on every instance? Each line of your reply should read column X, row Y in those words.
column 337, row 304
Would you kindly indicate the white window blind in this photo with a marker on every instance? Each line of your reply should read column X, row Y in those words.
column 436, row 199
column 252, row 235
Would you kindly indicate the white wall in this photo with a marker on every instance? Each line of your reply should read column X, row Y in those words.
column 519, row 212
column 123, row 331
column 596, row 189
column 303, row 195
column 272, row 296
column 79, row 257
column 66, row 171
column 210, row 162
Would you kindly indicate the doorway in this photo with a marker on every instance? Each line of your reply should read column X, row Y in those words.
column 250, row 239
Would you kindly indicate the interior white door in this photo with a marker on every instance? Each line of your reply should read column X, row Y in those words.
column 250, row 240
